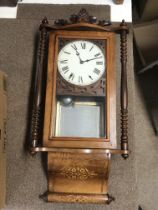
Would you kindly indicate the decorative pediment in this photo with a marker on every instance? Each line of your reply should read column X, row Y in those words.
column 82, row 17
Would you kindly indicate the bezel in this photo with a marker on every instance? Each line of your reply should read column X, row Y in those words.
column 54, row 87
column 65, row 42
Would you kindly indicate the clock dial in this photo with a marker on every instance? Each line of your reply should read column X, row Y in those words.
column 81, row 62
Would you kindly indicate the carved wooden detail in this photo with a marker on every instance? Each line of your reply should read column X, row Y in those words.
column 82, row 17
column 65, row 88
column 35, row 126
column 63, row 41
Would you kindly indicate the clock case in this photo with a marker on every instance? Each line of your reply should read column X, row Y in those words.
column 78, row 168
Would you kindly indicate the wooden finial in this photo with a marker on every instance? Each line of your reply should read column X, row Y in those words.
column 45, row 20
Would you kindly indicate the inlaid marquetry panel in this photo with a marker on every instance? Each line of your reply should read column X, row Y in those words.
column 77, row 173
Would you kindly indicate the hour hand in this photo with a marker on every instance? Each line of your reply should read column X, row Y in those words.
column 78, row 54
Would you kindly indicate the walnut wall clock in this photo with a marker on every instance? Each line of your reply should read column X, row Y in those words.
column 79, row 123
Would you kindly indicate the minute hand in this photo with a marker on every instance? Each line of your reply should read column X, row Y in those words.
column 91, row 59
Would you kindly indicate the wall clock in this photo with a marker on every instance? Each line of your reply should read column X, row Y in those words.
column 79, row 122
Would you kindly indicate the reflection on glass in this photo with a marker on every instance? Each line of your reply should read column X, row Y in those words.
column 78, row 118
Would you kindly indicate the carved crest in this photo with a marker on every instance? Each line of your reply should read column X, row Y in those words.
column 82, row 17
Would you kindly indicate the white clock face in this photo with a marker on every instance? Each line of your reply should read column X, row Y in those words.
column 81, row 62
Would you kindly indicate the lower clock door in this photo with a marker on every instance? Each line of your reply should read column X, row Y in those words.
column 76, row 177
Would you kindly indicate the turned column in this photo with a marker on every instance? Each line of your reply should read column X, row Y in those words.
column 124, row 90
column 36, row 114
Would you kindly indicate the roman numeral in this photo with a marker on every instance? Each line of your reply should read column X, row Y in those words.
column 91, row 48
column 99, row 62
column 67, row 52
column 83, row 45
column 80, row 79
column 90, row 77
column 96, row 55
column 71, row 76
column 63, row 61
column 74, row 47
column 96, row 71
column 65, row 69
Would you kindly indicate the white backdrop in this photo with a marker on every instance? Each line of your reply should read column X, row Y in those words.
column 118, row 12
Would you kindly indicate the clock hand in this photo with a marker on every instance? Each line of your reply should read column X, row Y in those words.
column 90, row 59
column 78, row 54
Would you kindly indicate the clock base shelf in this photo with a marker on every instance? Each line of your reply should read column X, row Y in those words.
column 79, row 198
column 107, row 151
